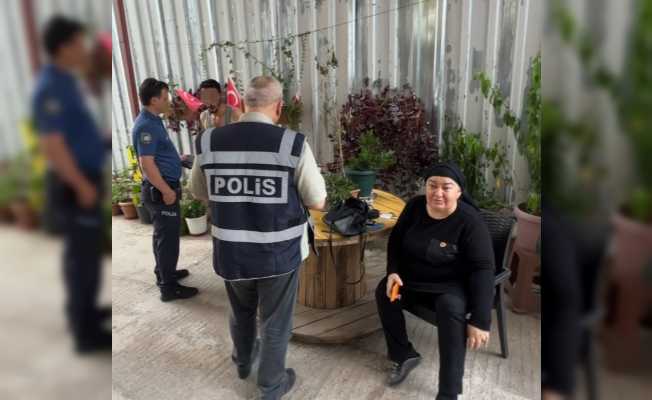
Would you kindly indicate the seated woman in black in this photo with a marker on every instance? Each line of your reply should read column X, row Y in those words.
column 440, row 254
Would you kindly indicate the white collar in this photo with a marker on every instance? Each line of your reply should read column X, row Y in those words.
column 255, row 116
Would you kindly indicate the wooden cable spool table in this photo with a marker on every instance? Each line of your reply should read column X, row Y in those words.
column 335, row 304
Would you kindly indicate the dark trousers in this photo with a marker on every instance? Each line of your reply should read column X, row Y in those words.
column 82, row 231
column 167, row 231
column 451, row 332
column 273, row 298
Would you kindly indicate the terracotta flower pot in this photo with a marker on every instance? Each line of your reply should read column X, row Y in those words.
column 528, row 230
column 128, row 209
column 630, row 293
column 115, row 209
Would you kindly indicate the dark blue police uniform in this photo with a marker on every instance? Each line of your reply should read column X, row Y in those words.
column 58, row 108
column 150, row 138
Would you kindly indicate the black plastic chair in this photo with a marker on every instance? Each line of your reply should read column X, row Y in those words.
column 501, row 229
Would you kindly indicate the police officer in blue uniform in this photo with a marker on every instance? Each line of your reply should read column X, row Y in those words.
column 258, row 178
column 161, row 189
column 75, row 151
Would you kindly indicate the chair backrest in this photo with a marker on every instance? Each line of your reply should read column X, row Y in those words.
column 500, row 228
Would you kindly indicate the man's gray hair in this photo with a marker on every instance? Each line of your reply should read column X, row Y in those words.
column 262, row 91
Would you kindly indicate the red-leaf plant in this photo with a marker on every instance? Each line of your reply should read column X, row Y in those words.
column 398, row 119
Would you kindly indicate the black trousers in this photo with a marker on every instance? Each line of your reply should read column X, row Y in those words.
column 167, row 231
column 82, row 231
column 451, row 332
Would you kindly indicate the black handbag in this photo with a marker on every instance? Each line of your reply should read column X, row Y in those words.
column 350, row 219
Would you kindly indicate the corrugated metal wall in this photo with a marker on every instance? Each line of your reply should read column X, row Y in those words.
column 17, row 77
column 434, row 45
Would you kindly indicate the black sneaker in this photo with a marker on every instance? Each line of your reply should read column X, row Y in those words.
column 181, row 273
column 400, row 371
column 441, row 396
column 178, row 275
column 177, row 292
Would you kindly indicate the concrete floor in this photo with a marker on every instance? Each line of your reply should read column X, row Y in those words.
column 182, row 349
column 36, row 358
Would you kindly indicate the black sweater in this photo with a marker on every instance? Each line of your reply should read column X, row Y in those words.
column 451, row 255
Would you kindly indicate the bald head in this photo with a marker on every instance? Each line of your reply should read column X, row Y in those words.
column 263, row 91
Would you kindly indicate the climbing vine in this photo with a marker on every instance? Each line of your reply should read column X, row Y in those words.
column 527, row 130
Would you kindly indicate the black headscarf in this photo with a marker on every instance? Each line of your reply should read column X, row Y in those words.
column 451, row 170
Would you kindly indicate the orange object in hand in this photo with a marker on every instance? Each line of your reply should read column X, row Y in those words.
column 394, row 293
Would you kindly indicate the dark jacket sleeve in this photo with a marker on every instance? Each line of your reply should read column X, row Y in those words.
column 479, row 254
column 396, row 236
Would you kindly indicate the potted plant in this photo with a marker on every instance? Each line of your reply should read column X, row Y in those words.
column 194, row 213
column 467, row 150
column 370, row 159
column 528, row 137
column 116, row 196
column 7, row 192
column 338, row 188
column 123, row 197
column 398, row 119
column 17, row 184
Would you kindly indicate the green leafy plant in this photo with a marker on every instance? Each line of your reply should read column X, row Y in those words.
column 15, row 180
column 284, row 69
column 527, row 130
column 630, row 93
column 192, row 208
column 338, row 187
column 121, row 188
column 371, row 155
column 474, row 157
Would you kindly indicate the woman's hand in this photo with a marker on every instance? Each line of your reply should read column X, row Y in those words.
column 476, row 337
column 391, row 278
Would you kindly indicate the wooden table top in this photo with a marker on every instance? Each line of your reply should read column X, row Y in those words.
column 384, row 202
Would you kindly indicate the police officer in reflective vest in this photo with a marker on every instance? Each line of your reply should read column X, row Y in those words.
column 75, row 151
column 257, row 178
column 161, row 189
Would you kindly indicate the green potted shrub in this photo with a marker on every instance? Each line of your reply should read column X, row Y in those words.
column 7, row 192
column 338, row 188
column 194, row 213
column 116, row 197
column 17, row 183
column 467, row 150
column 370, row 159
column 123, row 194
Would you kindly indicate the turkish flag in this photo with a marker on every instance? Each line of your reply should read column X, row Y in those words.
column 189, row 100
column 232, row 95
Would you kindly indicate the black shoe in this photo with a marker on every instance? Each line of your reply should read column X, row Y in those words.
column 441, row 396
column 400, row 371
column 290, row 378
column 244, row 371
column 178, row 275
column 177, row 292
column 100, row 341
